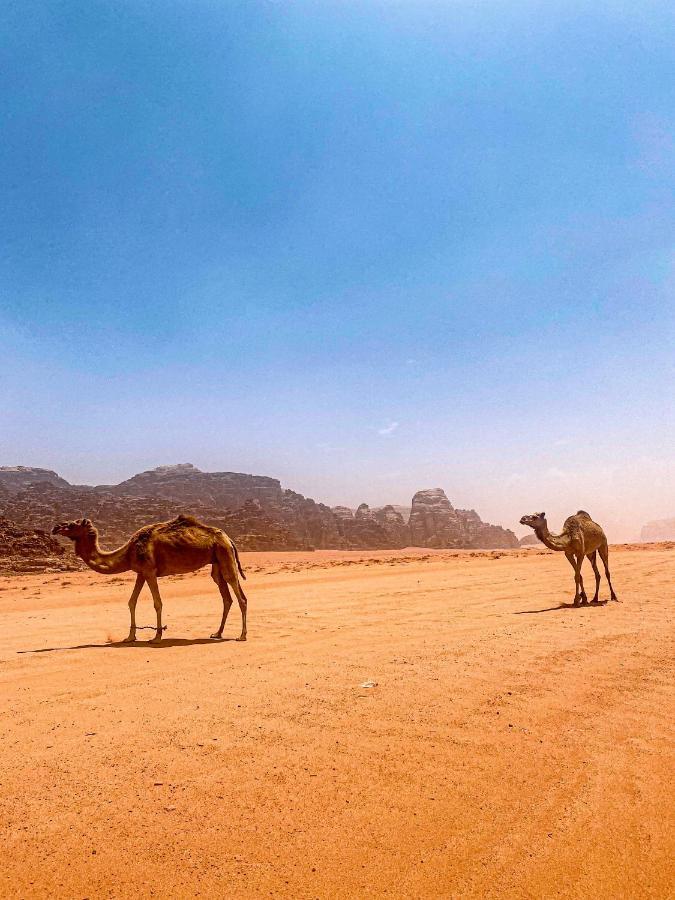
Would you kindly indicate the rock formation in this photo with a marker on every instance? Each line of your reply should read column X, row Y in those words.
column 661, row 530
column 255, row 510
column 32, row 550
column 435, row 523
column 366, row 529
column 15, row 478
column 187, row 483
column 312, row 523
column 392, row 523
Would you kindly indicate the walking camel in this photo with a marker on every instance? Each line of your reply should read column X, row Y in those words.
column 165, row 548
column 580, row 537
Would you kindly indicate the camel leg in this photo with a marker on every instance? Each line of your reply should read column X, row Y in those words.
column 140, row 581
column 243, row 604
column 579, row 595
column 592, row 558
column 582, row 592
column 604, row 556
column 157, row 600
column 227, row 599
column 228, row 567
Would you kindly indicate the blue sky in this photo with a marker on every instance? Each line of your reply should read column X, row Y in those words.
column 366, row 247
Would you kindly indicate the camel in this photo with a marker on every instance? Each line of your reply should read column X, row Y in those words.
column 580, row 537
column 166, row 548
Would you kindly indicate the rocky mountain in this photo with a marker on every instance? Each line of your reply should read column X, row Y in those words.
column 255, row 510
column 371, row 529
column 14, row 478
column 32, row 550
column 530, row 540
column 187, row 483
column 118, row 516
column 435, row 523
column 661, row 530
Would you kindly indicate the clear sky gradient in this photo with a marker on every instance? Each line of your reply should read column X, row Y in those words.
column 365, row 247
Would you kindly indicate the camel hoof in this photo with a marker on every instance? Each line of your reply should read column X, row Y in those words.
column 156, row 640
column 216, row 637
column 242, row 637
column 129, row 640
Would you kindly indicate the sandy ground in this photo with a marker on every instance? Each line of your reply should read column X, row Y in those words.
column 511, row 746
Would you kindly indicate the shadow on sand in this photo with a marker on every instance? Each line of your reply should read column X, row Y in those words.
column 138, row 645
column 529, row 612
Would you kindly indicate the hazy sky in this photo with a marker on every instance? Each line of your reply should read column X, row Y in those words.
column 365, row 247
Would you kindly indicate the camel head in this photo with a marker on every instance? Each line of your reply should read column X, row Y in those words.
column 80, row 528
column 536, row 520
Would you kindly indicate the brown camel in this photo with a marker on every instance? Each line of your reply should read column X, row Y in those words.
column 580, row 537
column 165, row 548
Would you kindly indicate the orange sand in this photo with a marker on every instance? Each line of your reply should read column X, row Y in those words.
column 510, row 747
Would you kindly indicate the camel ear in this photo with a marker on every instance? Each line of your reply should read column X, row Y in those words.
column 85, row 522
column 543, row 515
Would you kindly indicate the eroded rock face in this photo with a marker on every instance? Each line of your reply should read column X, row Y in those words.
column 342, row 512
column 117, row 517
column 363, row 530
column 255, row 510
column 312, row 523
column 433, row 521
column 392, row 523
column 15, row 478
column 253, row 529
column 661, row 530
column 482, row 536
column 24, row 550
column 187, row 483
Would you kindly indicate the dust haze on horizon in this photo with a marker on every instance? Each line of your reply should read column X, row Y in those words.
column 363, row 248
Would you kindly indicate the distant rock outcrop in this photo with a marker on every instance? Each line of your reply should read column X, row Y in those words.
column 15, row 478
column 435, row 523
column 362, row 530
column 187, row 483
column 255, row 510
column 392, row 523
column 313, row 523
column 32, row 550
column 530, row 540
column 661, row 530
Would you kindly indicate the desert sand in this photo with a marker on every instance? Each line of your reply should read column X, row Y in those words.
column 510, row 747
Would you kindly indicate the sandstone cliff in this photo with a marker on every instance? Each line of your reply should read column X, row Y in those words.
column 661, row 530
column 255, row 510
column 365, row 529
column 435, row 523
column 15, row 478
column 32, row 550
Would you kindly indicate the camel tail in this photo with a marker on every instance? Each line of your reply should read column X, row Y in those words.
column 236, row 556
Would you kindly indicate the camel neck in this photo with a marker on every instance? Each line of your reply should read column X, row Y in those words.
column 552, row 541
column 107, row 563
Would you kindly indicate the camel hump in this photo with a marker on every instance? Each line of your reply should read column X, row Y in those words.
column 182, row 521
column 582, row 512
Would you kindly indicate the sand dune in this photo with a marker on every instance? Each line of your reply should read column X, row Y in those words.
column 510, row 747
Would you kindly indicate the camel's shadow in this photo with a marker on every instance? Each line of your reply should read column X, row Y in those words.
column 560, row 606
column 138, row 645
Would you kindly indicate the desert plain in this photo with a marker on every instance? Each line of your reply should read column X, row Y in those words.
column 510, row 745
